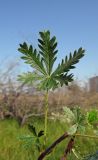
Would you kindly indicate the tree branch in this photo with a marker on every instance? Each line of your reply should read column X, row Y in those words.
column 30, row 115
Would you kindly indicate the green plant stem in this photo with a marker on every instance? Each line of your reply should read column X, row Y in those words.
column 86, row 136
column 46, row 116
column 75, row 154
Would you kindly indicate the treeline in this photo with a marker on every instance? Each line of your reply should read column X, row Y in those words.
column 25, row 101
column 21, row 102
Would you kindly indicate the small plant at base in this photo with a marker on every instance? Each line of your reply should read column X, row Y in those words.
column 78, row 122
column 29, row 140
column 92, row 116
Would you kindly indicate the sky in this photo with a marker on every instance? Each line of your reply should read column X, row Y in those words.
column 73, row 22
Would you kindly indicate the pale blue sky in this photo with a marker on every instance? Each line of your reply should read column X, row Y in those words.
column 73, row 22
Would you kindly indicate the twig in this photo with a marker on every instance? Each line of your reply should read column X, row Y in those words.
column 68, row 148
column 86, row 136
column 49, row 149
column 30, row 115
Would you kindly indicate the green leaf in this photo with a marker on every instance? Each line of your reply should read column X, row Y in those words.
column 47, row 47
column 32, row 129
column 79, row 116
column 76, row 117
column 73, row 129
column 92, row 116
column 27, row 141
column 81, row 129
column 69, row 115
column 68, row 64
column 64, row 79
column 41, row 133
column 30, row 78
column 32, row 57
column 38, row 144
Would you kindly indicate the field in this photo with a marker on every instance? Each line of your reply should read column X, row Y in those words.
column 12, row 148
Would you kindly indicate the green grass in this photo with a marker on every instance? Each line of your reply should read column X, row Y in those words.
column 11, row 148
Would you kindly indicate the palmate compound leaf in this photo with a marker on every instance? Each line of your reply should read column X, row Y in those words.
column 42, row 60
column 32, row 140
column 76, row 118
